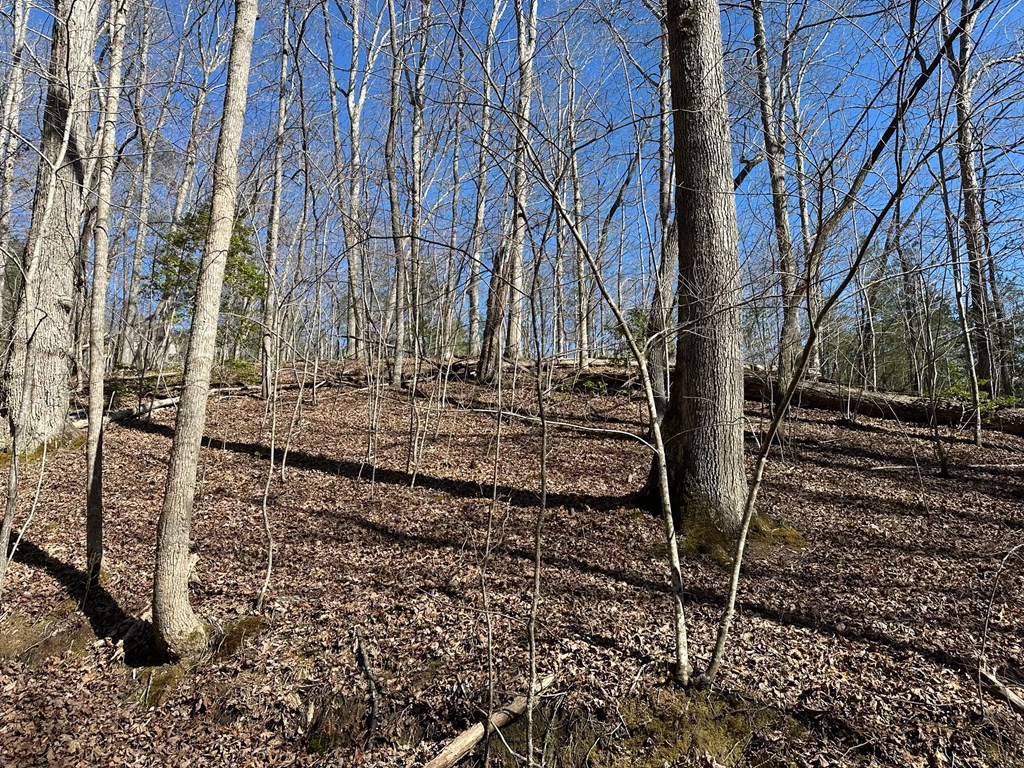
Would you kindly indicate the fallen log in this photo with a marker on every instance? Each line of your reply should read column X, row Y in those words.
column 147, row 408
column 996, row 687
column 915, row 409
column 463, row 744
column 131, row 413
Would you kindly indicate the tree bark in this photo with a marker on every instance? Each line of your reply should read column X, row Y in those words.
column 176, row 626
column 37, row 388
column 970, row 197
column 270, row 341
column 97, row 315
column 775, row 156
column 526, row 44
column 399, row 293
column 704, row 422
column 483, row 157
column 10, row 119
column 663, row 299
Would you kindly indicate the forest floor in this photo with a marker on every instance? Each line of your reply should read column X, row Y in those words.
column 857, row 640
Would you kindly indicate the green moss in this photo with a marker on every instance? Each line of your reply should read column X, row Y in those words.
column 424, row 676
column 335, row 721
column 18, row 633
column 636, row 514
column 238, row 372
column 159, row 683
column 764, row 530
column 71, row 439
column 319, row 743
column 703, row 539
column 678, row 728
column 667, row 727
column 992, row 750
column 566, row 741
column 32, row 641
column 230, row 638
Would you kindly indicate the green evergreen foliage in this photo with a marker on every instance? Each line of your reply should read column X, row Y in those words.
column 176, row 264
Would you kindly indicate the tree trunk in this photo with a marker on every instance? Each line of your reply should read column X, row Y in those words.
column 270, row 341
column 704, row 422
column 775, row 156
column 37, row 371
column 971, row 215
column 400, row 290
column 129, row 338
column 176, row 626
column 897, row 406
column 97, row 315
column 483, row 158
column 663, row 299
column 812, row 261
column 526, row 43
column 10, row 119
column 418, row 99
column 582, row 283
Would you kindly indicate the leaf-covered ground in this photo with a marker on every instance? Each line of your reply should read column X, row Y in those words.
column 394, row 570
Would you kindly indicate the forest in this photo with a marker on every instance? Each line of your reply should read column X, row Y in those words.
column 507, row 383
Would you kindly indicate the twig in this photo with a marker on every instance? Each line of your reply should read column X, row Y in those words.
column 364, row 664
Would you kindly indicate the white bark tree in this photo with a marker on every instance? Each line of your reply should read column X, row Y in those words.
column 98, row 309
column 176, row 626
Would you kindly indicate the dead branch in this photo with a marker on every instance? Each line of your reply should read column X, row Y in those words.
column 999, row 689
column 882, row 405
column 461, row 746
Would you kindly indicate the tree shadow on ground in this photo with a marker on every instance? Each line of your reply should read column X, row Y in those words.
column 846, row 627
column 106, row 617
column 877, row 463
column 561, row 421
column 365, row 471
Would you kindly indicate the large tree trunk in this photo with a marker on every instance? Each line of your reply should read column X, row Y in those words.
column 704, row 422
column 177, row 628
column 37, row 372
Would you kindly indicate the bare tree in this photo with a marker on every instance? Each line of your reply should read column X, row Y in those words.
column 398, row 299
column 972, row 221
column 176, row 625
column 10, row 117
column 480, row 212
column 775, row 155
column 704, row 422
column 97, row 314
column 270, row 327
column 36, row 378
column 505, row 294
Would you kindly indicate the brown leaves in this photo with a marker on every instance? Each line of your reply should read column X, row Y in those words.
column 865, row 637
